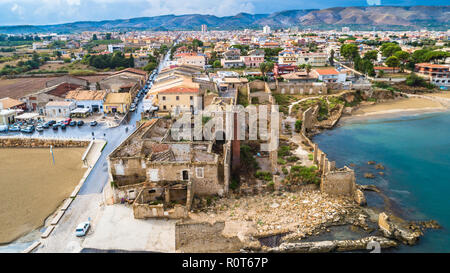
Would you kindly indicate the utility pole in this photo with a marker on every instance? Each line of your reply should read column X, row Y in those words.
column 51, row 152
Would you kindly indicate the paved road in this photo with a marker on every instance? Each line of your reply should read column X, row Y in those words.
column 86, row 204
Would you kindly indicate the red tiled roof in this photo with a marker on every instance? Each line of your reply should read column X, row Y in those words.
column 327, row 71
column 179, row 90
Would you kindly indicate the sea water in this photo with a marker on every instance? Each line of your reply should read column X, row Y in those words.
column 415, row 151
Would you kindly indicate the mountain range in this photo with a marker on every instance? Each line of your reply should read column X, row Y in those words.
column 380, row 17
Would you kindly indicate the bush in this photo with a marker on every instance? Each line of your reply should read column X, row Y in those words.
column 281, row 161
column 285, row 171
column 308, row 175
column 267, row 176
column 284, row 151
column 234, row 184
column 298, row 126
column 292, row 159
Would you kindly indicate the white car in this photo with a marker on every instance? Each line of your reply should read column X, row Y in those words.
column 82, row 229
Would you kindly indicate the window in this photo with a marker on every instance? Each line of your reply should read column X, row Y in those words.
column 199, row 172
column 164, row 98
column 164, row 107
column 191, row 97
column 185, row 175
column 178, row 97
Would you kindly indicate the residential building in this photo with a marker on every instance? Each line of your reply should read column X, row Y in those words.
column 12, row 104
column 330, row 75
column 87, row 99
column 439, row 75
column 59, row 109
column 117, row 103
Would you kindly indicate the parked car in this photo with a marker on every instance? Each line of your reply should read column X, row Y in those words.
column 27, row 129
column 46, row 125
column 94, row 123
column 67, row 121
column 40, row 128
column 80, row 123
column 73, row 123
column 14, row 128
column 82, row 229
column 63, row 126
column 55, row 126
column 51, row 122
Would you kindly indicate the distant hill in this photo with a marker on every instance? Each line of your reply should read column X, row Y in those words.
column 381, row 17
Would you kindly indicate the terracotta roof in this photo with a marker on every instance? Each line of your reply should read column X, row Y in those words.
column 86, row 95
column 327, row 71
column 432, row 65
column 179, row 90
column 10, row 103
column 133, row 70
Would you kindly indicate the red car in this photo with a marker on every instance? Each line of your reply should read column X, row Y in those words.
column 67, row 121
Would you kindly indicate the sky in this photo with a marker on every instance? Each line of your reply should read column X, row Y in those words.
column 41, row 12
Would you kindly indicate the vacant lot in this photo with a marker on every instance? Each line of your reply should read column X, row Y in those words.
column 32, row 187
column 17, row 88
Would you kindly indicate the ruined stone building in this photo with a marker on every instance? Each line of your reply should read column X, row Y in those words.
column 161, row 175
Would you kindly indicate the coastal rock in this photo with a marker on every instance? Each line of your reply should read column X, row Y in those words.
column 391, row 230
column 360, row 198
column 369, row 175
column 371, row 163
column 384, row 224
column 331, row 246
column 379, row 167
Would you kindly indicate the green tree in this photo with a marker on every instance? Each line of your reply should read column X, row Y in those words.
column 94, row 37
column 331, row 59
column 349, row 52
column 388, row 49
column 108, row 36
column 393, row 62
column 403, row 57
column 371, row 55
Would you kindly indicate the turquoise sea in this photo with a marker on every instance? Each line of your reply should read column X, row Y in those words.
column 415, row 151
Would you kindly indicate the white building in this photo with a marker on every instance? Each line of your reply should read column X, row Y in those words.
column 59, row 109
column 117, row 47
column 266, row 29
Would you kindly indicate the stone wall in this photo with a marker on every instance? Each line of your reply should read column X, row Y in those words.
column 297, row 88
column 204, row 237
column 41, row 143
column 339, row 182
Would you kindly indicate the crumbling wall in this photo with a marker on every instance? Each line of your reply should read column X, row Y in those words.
column 144, row 211
column 41, row 143
column 299, row 88
column 204, row 237
column 339, row 182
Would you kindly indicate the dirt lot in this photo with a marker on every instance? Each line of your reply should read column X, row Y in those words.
column 32, row 187
column 17, row 88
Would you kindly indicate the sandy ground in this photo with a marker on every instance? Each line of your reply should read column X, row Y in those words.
column 445, row 94
column 32, row 188
column 409, row 104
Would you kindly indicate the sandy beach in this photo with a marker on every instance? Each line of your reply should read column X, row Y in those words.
column 32, row 187
column 401, row 105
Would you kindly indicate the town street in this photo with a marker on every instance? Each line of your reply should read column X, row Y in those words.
column 87, row 204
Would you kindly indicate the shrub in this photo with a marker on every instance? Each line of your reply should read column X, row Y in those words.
column 285, row 171
column 284, row 151
column 267, row 176
column 281, row 161
column 292, row 159
column 234, row 184
column 298, row 126
column 308, row 175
